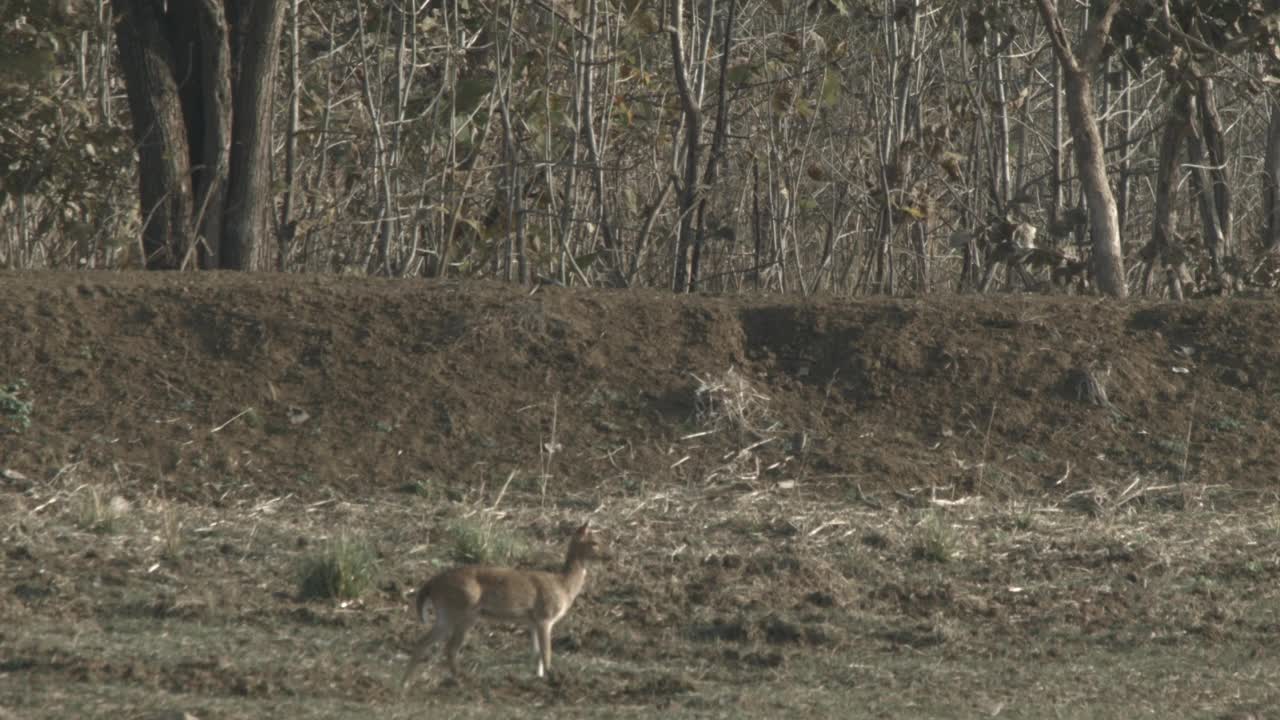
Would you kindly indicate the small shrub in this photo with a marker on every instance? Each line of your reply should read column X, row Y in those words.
column 421, row 488
column 472, row 541
column 14, row 410
column 1024, row 520
column 876, row 539
column 95, row 514
column 934, row 541
column 344, row 569
column 1226, row 424
column 1035, row 455
column 1170, row 445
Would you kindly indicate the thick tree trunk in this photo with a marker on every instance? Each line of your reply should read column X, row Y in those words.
column 199, row 75
column 164, row 173
column 255, row 34
column 209, row 122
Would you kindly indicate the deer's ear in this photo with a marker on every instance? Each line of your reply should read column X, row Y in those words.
column 586, row 528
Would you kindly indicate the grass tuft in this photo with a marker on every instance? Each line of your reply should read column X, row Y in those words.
column 96, row 514
column 473, row 541
column 170, row 533
column 14, row 409
column 934, row 541
column 344, row 569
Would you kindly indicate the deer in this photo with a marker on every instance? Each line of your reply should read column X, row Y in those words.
column 462, row 596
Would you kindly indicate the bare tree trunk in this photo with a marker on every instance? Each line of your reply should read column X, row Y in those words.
column 1271, row 182
column 718, row 139
column 209, row 114
column 287, row 231
column 1001, row 156
column 1123, row 200
column 159, row 129
column 692, row 150
column 1217, row 192
column 1161, row 250
column 1201, row 186
column 757, row 232
column 199, row 77
column 614, row 260
column 255, row 33
column 1078, row 66
column 1057, row 170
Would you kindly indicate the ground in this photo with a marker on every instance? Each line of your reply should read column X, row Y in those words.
column 1007, row 506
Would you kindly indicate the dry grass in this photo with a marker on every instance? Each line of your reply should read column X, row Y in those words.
column 729, row 402
column 751, row 598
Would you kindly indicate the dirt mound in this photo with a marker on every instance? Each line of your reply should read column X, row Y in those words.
column 218, row 383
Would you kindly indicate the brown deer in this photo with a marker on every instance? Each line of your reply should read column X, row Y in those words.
column 462, row 596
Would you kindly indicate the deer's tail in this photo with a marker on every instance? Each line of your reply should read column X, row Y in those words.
column 424, row 601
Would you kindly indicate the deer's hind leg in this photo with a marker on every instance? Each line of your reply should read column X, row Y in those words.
column 439, row 631
column 457, row 635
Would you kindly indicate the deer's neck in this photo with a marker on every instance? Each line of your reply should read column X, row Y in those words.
column 575, row 573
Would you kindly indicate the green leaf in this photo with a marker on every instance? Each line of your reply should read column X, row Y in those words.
column 742, row 73
column 831, row 89
column 469, row 93
column 645, row 22
column 30, row 66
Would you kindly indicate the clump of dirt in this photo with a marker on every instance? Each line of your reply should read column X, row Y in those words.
column 216, row 384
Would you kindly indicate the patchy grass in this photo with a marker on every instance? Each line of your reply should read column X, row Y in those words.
column 736, row 603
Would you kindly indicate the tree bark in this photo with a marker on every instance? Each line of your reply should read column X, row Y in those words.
column 199, row 76
column 1271, row 182
column 288, row 228
column 681, row 280
column 1161, row 249
column 164, row 173
column 1215, row 189
column 719, row 137
column 255, row 34
column 208, row 114
column 1078, row 66
column 1125, row 184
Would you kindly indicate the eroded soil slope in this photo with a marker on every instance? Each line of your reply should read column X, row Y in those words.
column 296, row 384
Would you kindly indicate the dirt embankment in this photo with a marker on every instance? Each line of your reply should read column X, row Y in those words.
column 302, row 384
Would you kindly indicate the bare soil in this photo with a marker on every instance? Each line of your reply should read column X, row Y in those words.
column 1015, row 506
